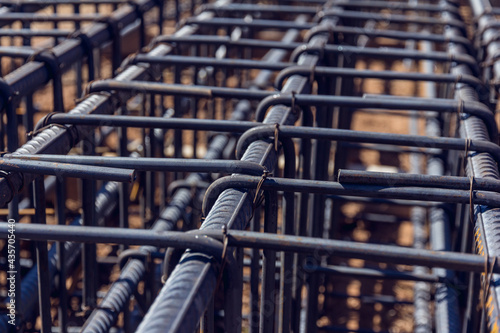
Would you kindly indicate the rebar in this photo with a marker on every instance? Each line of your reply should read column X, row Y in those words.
column 291, row 166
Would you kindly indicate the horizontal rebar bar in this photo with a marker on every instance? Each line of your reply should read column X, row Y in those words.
column 230, row 126
column 210, row 242
column 267, row 131
column 143, row 163
column 333, row 188
column 65, row 169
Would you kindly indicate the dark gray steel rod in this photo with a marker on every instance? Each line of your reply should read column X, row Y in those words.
column 267, row 131
column 386, row 75
column 387, row 53
column 394, row 18
column 42, row 257
column 29, row 77
column 207, row 61
column 209, row 242
column 247, row 8
column 230, row 126
column 485, row 219
column 397, row 5
column 446, row 300
column 245, row 42
column 58, row 140
column 105, row 203
column 256, row 23
column 66, row 170
column 16, row 51
column 56, row 2
column 334, row 188
column 35, row 33
column 288, row 69
column 375, row 273
column 144, row 163
column 405, row 179
column 175, row 89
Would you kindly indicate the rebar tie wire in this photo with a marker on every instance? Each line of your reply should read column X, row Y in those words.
column 466, row 151
column 276, row 136
column 257, row 200
column 45, row 123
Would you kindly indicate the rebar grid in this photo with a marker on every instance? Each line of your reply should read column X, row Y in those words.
column 242, row 145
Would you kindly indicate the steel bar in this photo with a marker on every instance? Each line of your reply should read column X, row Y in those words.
column 477, row 166
column 88, row 234
column 148, row 164
column 42, row 259
column 385, row 75
column 395, row 103
column 16, row 52
column 388, row 53
column 66, row 53
column 248, row 8
column 105, row 202
column 67, row 170
column 392, row 34
column 171, row 214
column 175, row 89
column 233, row 126
column 210, row 242
column 404, row 179
column 36, row 17
column 422, row 291
column 440, row 238
column 394, row 18
column 56, row 2
column 376, row 273
column 199, row 272
column 34, row 33
column 397, row 5
column 330, row 48
column 206, row 61
column 38, row 72
column 274, row 24
column 327, row 177
column 287, row 69
column 366, row 137
column 334, row 188
column 41, row 74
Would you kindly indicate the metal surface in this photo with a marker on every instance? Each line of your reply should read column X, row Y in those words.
column 299, row 166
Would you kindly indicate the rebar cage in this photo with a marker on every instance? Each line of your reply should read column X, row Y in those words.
column 289, row 166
